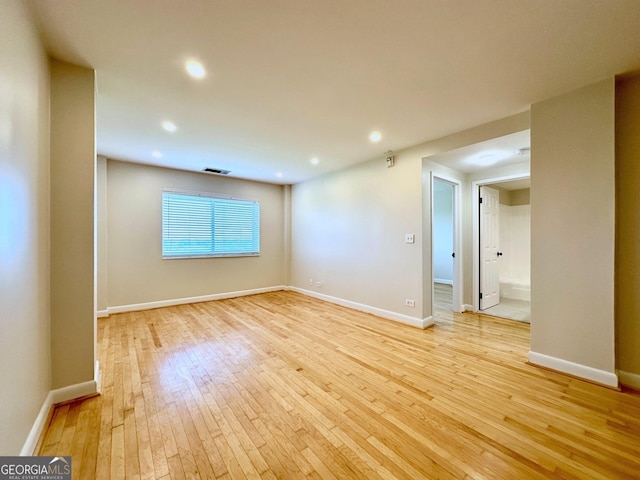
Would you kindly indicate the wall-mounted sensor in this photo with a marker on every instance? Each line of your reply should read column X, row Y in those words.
column 390, row 159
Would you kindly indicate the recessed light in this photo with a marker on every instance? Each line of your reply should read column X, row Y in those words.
column 169, row 126
column 375, row 136
column 156, row 154
column 195, row 69
column 279, row 174
column 315, row 161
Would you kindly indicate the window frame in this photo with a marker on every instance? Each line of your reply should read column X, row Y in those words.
column 255, row 225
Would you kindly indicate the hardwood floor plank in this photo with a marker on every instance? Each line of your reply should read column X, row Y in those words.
column 117, row 466
column 54, row 431
column 280, row 385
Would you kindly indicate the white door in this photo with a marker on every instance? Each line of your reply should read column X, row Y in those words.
column 489, row 247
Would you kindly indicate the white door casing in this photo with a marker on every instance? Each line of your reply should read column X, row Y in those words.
column 489, row 247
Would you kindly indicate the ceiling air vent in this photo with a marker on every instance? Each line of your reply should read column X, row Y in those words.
column 217, row 171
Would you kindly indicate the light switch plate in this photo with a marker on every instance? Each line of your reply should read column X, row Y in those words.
column 409, row 238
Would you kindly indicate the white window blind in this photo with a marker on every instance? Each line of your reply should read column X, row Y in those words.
column 200, row 225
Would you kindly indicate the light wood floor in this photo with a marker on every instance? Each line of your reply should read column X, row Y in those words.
column 280, row 385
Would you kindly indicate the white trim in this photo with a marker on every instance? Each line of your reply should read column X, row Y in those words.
column 467, row 308
column 456, row 282
column 97, row 377
column 398, row 317
column 38, row 427
column 183, row 301
column 72, row 392
column 602, row 377
column 53, row 397
column 629, row 379
column 443, row 281
column 102, row 313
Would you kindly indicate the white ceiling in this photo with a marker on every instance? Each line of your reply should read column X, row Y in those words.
column 292, row 79
column 497, row 152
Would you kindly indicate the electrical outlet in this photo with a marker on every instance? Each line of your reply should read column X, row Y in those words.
column 318, row 284
column 311, row 281
column 409, row 238
column 410, row 303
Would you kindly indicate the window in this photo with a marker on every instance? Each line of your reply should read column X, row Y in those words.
column 205, row 225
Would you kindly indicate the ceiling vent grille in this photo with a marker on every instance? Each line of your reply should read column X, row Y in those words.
column 217, row 171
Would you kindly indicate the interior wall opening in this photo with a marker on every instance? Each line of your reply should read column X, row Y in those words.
column 504, row 249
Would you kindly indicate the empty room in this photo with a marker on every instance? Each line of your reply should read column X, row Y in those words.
column 320, row 239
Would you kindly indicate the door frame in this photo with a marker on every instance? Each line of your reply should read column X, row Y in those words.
column 457, row 239
column 475, row 192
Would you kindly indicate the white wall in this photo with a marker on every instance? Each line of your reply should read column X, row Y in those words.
column 25, row 373
column 515, row 245
column 136, row 272
column 572, row 232
column 443, row 232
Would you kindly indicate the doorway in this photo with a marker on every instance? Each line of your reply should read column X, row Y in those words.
column 504, row 248
column 446, row 251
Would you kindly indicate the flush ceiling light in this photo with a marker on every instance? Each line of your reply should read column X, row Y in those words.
column 195, row 69
column 169, row 126
column 156, row 154
column 487, row 160
column 375, row 136
column 315, row 161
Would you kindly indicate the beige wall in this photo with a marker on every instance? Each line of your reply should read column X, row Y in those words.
column 24, row 226
column 514, row 198
column 572, row 230
column 348, row 231
column 73, row 160
column 348, row 227
column 521, row 197
column 628, row 228
column 135, row 269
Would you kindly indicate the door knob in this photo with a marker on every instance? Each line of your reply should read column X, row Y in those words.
column 499, row 254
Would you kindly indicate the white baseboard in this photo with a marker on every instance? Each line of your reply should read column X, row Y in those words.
column 398, row 317
column 97, row 377
column 53, row 397
column 38, row 427
column 102, row 313
column 72, row 392
column 443, row 281
column 183, row 301
column 467, row 308
column 629, row 379
column 602, row 377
